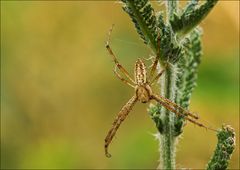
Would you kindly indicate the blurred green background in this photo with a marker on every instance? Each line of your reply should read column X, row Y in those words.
column 59, row 95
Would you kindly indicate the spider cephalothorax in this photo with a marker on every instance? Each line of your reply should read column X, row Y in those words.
column 143, row 93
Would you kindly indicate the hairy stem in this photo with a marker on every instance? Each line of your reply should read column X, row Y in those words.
column 168, row 86
column 167, row 138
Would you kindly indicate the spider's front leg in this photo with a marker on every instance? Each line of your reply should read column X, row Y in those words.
column 119, row 66
column 154, row 66
column 117, row 122
column 157, row 77
column 122, row 79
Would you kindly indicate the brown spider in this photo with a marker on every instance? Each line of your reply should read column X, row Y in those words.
column 143, row 93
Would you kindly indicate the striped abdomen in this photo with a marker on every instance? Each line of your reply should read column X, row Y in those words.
column 140, row 72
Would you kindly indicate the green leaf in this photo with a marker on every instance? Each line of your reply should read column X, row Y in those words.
column 224, row 149
column 143, row 16
column 193, row 53
column 187, row 74
column 191, row 16
column 170, row 48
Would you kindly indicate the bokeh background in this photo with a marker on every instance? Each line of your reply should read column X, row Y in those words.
column 59, row 95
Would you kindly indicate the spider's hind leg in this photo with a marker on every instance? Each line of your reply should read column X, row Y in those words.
column 182, row 110
column 174, row 110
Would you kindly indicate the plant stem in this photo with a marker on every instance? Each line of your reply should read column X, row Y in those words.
column 167, row 139
column 168, row 86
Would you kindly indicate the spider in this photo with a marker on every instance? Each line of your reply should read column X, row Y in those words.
column 143, row 93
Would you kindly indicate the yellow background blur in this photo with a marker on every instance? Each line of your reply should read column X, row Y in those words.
column 59, row 95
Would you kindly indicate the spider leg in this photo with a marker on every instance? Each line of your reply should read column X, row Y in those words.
column 149, row 58
column 157, row 77
column 154, row 66
column 121, row 78
column 182, row 110
column 170, row 108
column 120, row 67
column 117, row 122
column 200, row 124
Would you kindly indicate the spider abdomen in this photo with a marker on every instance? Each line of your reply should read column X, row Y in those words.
column 140, row 72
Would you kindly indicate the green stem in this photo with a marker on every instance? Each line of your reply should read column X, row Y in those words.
column 168, row 86
column 167, row 139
